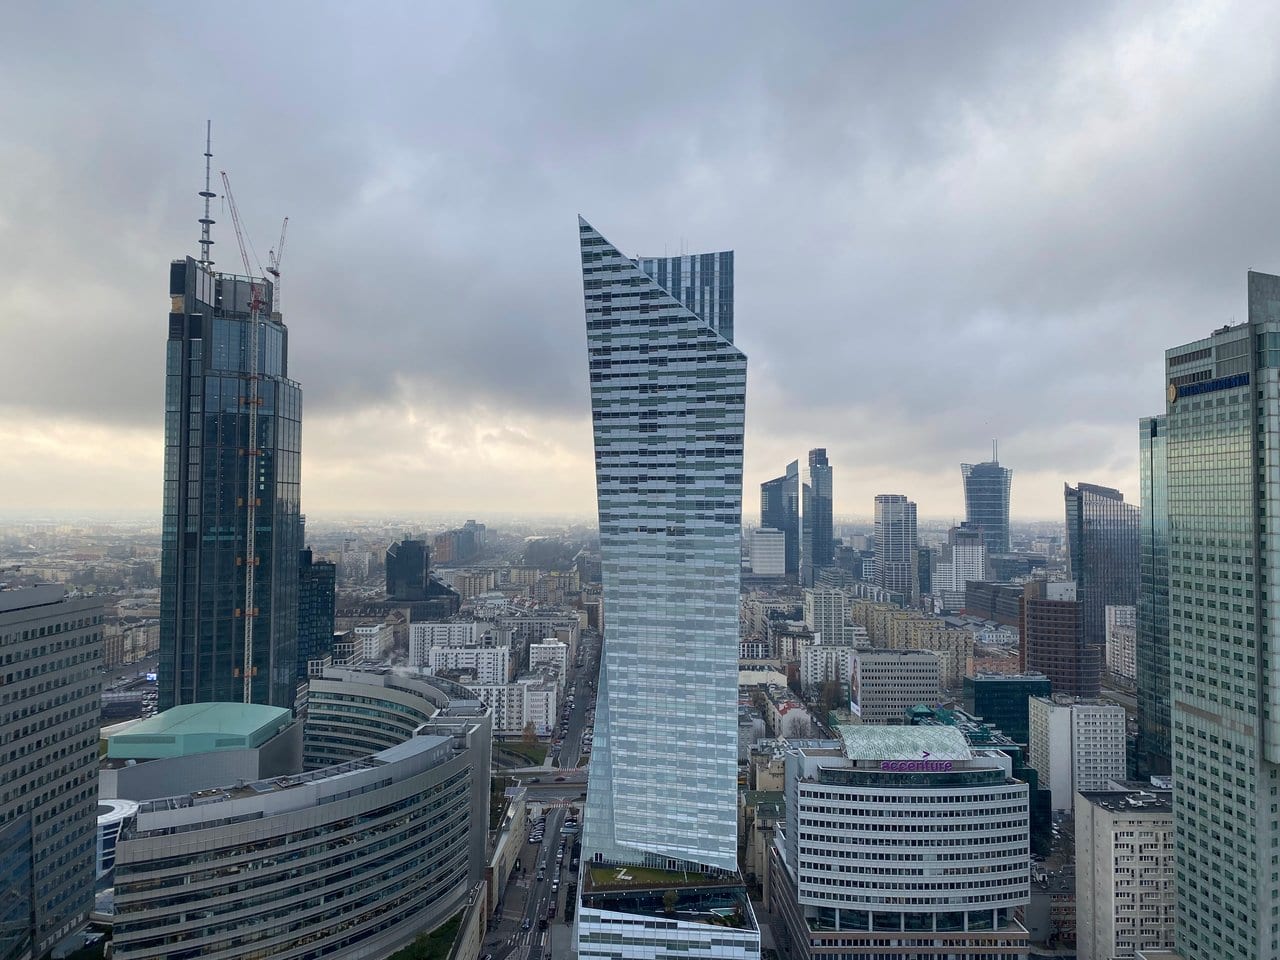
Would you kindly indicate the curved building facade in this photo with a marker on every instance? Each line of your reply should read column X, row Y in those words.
column 351, row 860
column 885, row 851
column 113, row 815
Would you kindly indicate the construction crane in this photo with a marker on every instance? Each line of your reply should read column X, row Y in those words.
column 251, row 451
column 273, row 267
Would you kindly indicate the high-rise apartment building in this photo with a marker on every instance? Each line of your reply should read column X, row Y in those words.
column 1152, row 641
column 407, row 563
column 896, row 546
column 1124, row 871
column 50, row 657
column 964, row 559
column 214, row 389
column 1222, row 453
column 826, row 612
column 817, row 534
column 1051, row 626
column 1102, row 553
column 986, row 501
column 317, row 580
column 780, row 510
column 1076, row 745
column 668, row 397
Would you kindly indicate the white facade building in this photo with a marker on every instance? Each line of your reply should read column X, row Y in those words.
column 768, row 552
column 376, row 641
column 488, row 659
column 898, row 837
column 552, row 655
column 515, row 705
column 1124, row 871
column 885, row 684
column 1122, row 642
column 1075, row 745
column 826, row 612
column 822, row 663
column 466, row 633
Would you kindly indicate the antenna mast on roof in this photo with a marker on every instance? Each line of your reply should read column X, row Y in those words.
column 995, row 455
column 206, row 222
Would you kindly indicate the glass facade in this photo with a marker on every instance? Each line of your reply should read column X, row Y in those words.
column 668, row 402
column 986, row 502
column 316, row 585
column 780, row 510
column 1153, row 601
column 407, row 563
column 207, row 491
column 817, row 535
column 897, row 548
column 1102, row 554
column 1222, row 452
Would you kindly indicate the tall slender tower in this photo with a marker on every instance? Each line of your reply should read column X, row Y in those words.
column 1102, row 554
column 780, row 510
column 897, row 557
column 986, row 501
column 207, row 490
column 668, row 390
column 817, row 533
column 1223, row 465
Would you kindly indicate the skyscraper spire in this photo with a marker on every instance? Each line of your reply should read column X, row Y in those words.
column 205, row 222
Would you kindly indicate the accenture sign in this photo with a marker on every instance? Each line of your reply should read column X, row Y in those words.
column 915, row 766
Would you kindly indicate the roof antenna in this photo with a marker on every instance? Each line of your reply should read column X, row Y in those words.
column 205, row 222
column 995, row 457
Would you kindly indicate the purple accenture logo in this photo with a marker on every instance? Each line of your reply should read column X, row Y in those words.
column 923, row 765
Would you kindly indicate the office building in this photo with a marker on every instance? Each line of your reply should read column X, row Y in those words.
column 1222, row 453
column 901, row 842
column 1152, row 640
column 317, row 581
column 885, row 684
column 780, row 510
column 817, row 534
column 1102, row 554
column 1000, row 699
column 1124, row 871
column 896, row 546
column 768, row 552
column 1053, row 642
column 407, row 563
column 1076, row 745
column 986, row 501
column 261, row 876
column 668, row 403
column 50, row 656
column 223, row 488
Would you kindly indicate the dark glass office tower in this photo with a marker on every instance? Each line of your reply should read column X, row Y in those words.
column 316, row 583
column 407, row 563
column 1102, row 554
column 780, row 510
column 986, row 502
column 208, row 493
column 816, row 532
column 1154, row 757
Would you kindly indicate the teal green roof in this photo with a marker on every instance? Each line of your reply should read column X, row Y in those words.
column 199, row 728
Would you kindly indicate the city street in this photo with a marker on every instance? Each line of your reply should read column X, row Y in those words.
column 520, row 929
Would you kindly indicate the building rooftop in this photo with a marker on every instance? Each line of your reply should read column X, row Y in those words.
column 870, row 741
column 1132, row 800
column 199, row 728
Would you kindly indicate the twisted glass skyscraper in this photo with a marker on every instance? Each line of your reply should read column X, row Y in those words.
column 668, row 392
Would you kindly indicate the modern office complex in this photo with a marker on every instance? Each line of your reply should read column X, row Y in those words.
column 896, row 546
column 407, row 563
column 1000, row 699
column 214, row 389
column 986, row 501
column 1102, row 553
column 668, row 403
column 817, row 534
column 50, row 655
column 317, row 581
column 1223, row 456
column 1124, row 871
column 901, row 842
column 780, row 510
column 352, row 859
column 1154, row 753
column 885, row 684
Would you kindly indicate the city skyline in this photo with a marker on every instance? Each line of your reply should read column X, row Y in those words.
column 390, row 200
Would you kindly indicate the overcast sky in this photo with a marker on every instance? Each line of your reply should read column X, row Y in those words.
column 952, row 222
